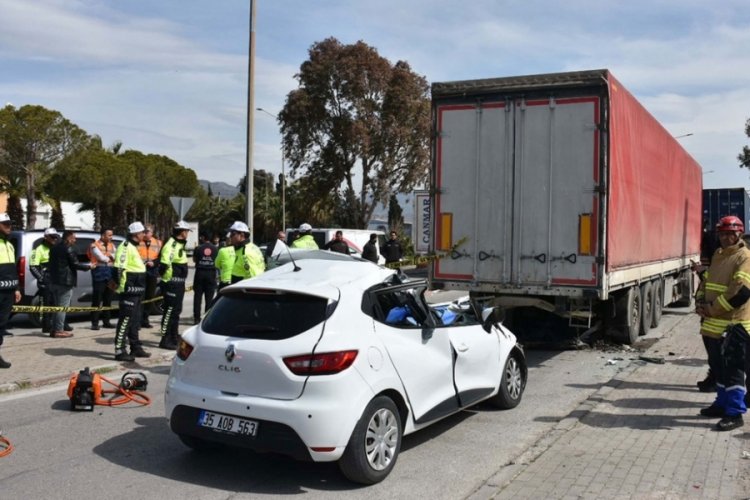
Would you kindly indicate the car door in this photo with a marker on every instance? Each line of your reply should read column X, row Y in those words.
column 476, row 369
column 421, row 355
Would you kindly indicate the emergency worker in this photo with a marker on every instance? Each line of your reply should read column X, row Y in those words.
column 101, row 254
column 248, row 261
column 305, row 239
column 9, row 292
column 722, row 303
column 39, row 267
column 130, row 275
column 149, row 249
column 204, row 282
column 173, row 267
column 225, row 263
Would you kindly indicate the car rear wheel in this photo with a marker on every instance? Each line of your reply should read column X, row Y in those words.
column 375, row 443
column 512, row 384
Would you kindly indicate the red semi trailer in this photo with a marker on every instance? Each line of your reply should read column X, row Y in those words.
column 561, row 192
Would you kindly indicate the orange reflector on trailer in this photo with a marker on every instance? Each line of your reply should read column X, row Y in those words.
column 446, row 231
column 584, row 234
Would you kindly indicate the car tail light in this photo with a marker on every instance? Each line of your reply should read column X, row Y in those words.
column 22, row 274
column 326, row 363
column 184, row 350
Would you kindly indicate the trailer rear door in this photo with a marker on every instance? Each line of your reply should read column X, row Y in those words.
column 516, row 185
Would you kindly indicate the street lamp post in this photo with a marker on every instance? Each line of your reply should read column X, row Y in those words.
column 283, row 176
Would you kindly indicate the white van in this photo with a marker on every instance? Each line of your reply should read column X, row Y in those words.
column 355, row 238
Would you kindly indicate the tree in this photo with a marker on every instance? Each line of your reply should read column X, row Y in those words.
column 35, row 139
column 355, row 113
column 395, row 215
column 744, row 156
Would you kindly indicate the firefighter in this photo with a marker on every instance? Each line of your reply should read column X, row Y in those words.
column 39, row 267
column 130, row 274
column 173, row 267
column 722, row 303
column 248, row 261
column 9, row 292
column 305, row 239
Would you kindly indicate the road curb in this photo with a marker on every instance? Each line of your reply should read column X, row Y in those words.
column 24, row 384
column 505, row 475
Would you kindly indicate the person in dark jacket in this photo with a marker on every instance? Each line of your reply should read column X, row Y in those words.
column 63, row 272
column 204, row 282
column 370, row 251
column 392, row 250
column 337, row 244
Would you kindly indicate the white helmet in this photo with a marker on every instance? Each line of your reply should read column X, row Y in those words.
column 51, row 231
column 4, row 217
column 304, row 227
column 240, row 227
column 182, row 225
column 136, row 227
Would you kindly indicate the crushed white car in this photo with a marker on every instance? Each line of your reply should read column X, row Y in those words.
column 335, row 360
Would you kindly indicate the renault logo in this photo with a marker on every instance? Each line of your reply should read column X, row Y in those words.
column 230, row 353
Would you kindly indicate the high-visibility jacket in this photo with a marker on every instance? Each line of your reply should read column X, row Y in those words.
column 173, row 260
column 8, row 270
column 131, row 269
column 39, row 263
column 306, row 241
column 100, row 270
column 728, row 273
column 225, row 263
column 149, row 249
column 248, row 262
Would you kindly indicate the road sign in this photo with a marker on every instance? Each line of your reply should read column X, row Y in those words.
column 181, row 205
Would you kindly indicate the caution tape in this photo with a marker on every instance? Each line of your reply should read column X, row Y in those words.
column 421, row 260
column 52, row 309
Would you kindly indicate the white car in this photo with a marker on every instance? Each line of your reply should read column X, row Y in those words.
column 329, row 360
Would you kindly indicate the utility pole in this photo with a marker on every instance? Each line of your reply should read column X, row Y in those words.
column 250, row 119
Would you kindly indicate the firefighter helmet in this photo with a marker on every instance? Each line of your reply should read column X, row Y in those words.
column 730, row 223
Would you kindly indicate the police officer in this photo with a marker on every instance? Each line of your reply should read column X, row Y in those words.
column 39, row 267
column 249, row 261
column 131, row 279
column 173, row 269
column 149, row 249
column 305, row 239
column 9, row 293
column 204, row 283
column 225, row 263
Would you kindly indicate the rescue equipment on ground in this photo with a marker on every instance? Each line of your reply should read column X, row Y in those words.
column 6, row 447
column 85, row 390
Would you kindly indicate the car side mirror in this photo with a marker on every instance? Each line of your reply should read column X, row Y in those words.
column 492, row 316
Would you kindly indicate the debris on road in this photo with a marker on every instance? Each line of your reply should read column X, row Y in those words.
column 652, row 359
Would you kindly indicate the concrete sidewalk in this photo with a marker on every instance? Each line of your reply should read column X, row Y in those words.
column 640, row 436
column 38, row 359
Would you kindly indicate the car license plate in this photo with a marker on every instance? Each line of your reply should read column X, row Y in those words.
column 227, row 423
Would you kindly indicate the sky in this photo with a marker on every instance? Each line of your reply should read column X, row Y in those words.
column 170, row 76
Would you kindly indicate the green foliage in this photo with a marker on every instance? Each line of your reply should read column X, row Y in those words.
column 355, row 114
column 744, row 156
column 395, row 215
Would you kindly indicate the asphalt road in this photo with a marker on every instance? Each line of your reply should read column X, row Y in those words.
column 129, row 452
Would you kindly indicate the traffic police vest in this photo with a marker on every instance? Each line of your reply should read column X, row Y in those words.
column 40, row 255
column 128, row 261
column 8, row 271
column 306, row 241
column 249, row 262
column 225, row 263
column 173, row 260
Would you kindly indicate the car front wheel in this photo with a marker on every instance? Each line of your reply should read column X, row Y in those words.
column 512, row 384
column 375, row 443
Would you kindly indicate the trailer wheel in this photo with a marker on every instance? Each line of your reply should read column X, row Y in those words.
column 658, row 303
column 647, row 306
column 628, row 311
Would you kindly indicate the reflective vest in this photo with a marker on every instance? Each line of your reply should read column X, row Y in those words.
column 106, row 249
column 128, row 261
column 173, row 255
column 248, row 262
column 40, row 255
column 149, row 249
column 225, row 263
column 729, row 271
column 8, row 271
column 306, row 241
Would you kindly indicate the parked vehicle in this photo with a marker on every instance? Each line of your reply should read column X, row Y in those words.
column 566, row 196
column 718, row 203
column 25, row 241
column 335, row 360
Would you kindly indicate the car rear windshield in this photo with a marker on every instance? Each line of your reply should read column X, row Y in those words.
column 265, row 315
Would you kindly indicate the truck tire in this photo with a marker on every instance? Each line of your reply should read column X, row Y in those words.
column 647, row 307
column 628, row 313
column 658, row 303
